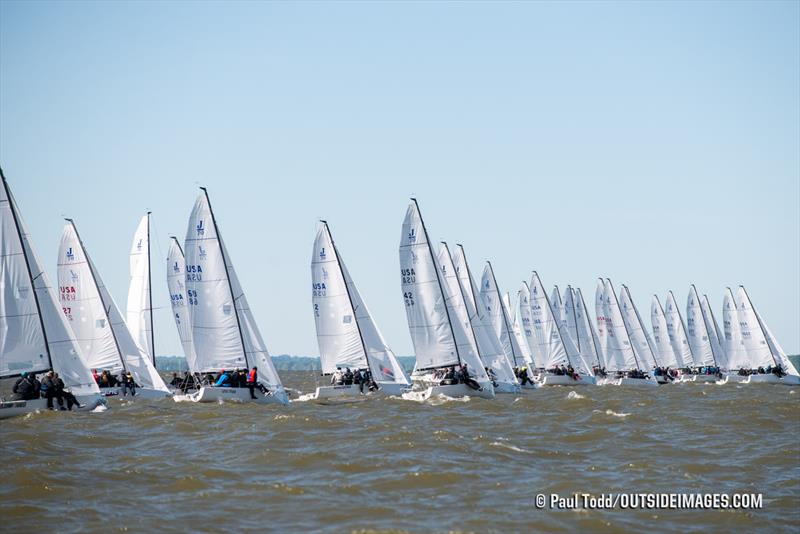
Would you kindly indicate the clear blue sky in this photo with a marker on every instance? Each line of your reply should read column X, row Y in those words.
column 655, row 143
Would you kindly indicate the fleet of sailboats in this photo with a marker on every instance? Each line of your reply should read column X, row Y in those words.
column 468, row 338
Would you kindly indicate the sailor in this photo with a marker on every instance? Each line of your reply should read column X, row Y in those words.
column 223, row 379
column 25, row 388
column 338, row 378
column 63, row 394
column 491, row 374
column 95, row 376
column 348, row 377
column 127, row 383
column 252, row 379
column 49, row 390
column 449, row 377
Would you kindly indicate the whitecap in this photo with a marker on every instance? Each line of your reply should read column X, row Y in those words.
column 100, row 408
column 575, row 395
column 615, row 414
column 509, row 447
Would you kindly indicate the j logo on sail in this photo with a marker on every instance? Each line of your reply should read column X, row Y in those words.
column 200, row 228
column 139, row 245
column 412, row 235
column 322, row 254
column 176, row 268
column 70, row 254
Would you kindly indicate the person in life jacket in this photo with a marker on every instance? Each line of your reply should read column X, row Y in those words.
column 127, row 384
column 252, row 380
column 223, row 380
column 337, row 379
column 26, row 388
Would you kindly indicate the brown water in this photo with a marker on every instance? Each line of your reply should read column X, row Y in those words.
column 398, row 465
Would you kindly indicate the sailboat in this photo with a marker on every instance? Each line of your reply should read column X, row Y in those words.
column 739, row 367
column 224, row 332
column 180, row 303
column 579, row 323
column 498, row 315
column 441, row 341
column 517, row 330
column 526, row 327
column 554, row 347
column 348, row 337
column 642, row 343
column 666, row 351
column 757, row 336
column 698, row 330
column 621, row 357
column 490, row 349
column 601, row 322
column 140, row 295
column 35, row 337
column 97, row 322
column 676, row 330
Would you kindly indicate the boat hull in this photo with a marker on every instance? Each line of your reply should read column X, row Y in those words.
column 238, row 395
column 340, row 394
column 564, row 380
column 141, row 393
column 506, row 388
column 393, row 388
column 460, row 390
column 633, row 382
column 788, row 380
column 21, row 407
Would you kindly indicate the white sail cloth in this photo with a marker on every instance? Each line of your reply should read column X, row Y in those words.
column 677, row 333
column 139, row 309
column 517, row 331
column 34, row 335
column 526, row 323
column 758, row 350
column 666, row 351
column 346, row 333
column 224, row 330
column 714, row 333
column 620, row 352
column 179, row 300
column 95, row 318
column 600, row 318
column 589, row 342
column 733, row 342
column 436, row 334
column 697, row 331
column 499, row 318
column 489, row 347
column 642, row 344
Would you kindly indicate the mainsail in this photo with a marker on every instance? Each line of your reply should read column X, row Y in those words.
column 180, row 301
column 733, row 342
column 759, row 352
column 666, row 351
column 34, row 335
column 526, row 321
column 697, row 331
column 600, row 317
column 346, row 334
column 643, row 345
column 140, row 296
column 714, row 333
column 620, row 355
column 95, row 318
column 677, row 333
column 498, row 314
column 589, row 342
column 224, row 330
column 517, row 331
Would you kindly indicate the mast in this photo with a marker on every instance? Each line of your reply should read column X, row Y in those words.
column 349, row 297
column 641, row 325
column 705, row 322
column 28, row 267
column 683, row 327
column 627, row 334
column 575, row 317
column 553, row 315
column 227, row 275
column 503, row 310
column 761, row 326
column 99, row 293
column 438, row 279
column 150, row 292
column 464, row 300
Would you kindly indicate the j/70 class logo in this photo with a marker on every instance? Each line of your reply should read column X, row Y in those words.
column 201, row 230
column 70, row 254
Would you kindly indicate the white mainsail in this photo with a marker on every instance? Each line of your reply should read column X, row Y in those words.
column 777, row 351
column 517, row 330
column 139, row 314
column 489, row 347
column 95, row 319
column 620, row 354
column 714, row 333
column 34, row 336
column 589, row 343
column 434, row 332
column 498, row 314
column 224, row 330
column 676, row 331
column 733, row 342
column 642, row 344
column 759, row 353
column 697, row 331
column 180, row 301
column 526, row 321
column 346, row 334
column 666, row 351
column 557, row 306
column 600, row 317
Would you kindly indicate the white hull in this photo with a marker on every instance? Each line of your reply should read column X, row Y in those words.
column 636, row 382
column 340, row 394
column 735, row 378
column 141, row 393
column 788, row 380
column 505, row 387
column 393, row 388
column 222, row 394
column 564, row 380
column 22, row 407
column 460, row 390
column 704, row 379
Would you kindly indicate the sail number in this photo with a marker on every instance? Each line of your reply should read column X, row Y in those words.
column 408, row 276
column 191, row 296
column 194, row 273
column 318, row 289
column 408, row 296
column 67, row 292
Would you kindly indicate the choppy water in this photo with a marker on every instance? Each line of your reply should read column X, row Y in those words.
column 398, row 465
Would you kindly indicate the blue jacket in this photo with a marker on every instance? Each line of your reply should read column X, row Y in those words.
column 223, row 380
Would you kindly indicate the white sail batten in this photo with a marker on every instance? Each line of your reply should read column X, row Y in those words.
column 666, row 351
column 58, row 347
column 139, row 313
column 489, row 347
column 676, row 331
column 179, row 300
column 95, row 319
column 697, row 331
column 224, row 330
column 643, row 345
column 733, row 342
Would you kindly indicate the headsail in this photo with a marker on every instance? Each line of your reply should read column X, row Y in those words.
column 179, row 300
column 526, row 322
column 224, row 330
column 34, row 335
column 140, row 297
column 589, row 342
column 95, row 318
column 524, row 350
column 714, row 333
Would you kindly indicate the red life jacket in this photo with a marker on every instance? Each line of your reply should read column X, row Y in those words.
column 251, row 377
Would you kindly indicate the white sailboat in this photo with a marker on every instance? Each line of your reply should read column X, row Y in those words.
column 554, row 347
column 643, row 344
column 490, row 349
column 600, row 318
column 756, row 336
column 517, row 330
column 140, row 295
column 34, row 337
column 621, row 357
column 676, row 330
column 733, row 343
column 97, row 322
column 441, row 341
column 224, row 331
column 180, row 301
column 698, row 330
column 663, row 345
column 347, row 336
column 526, row 324
column 498, row 313
column 586, row 337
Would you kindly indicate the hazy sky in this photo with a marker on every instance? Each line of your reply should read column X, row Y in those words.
column 654, row 143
